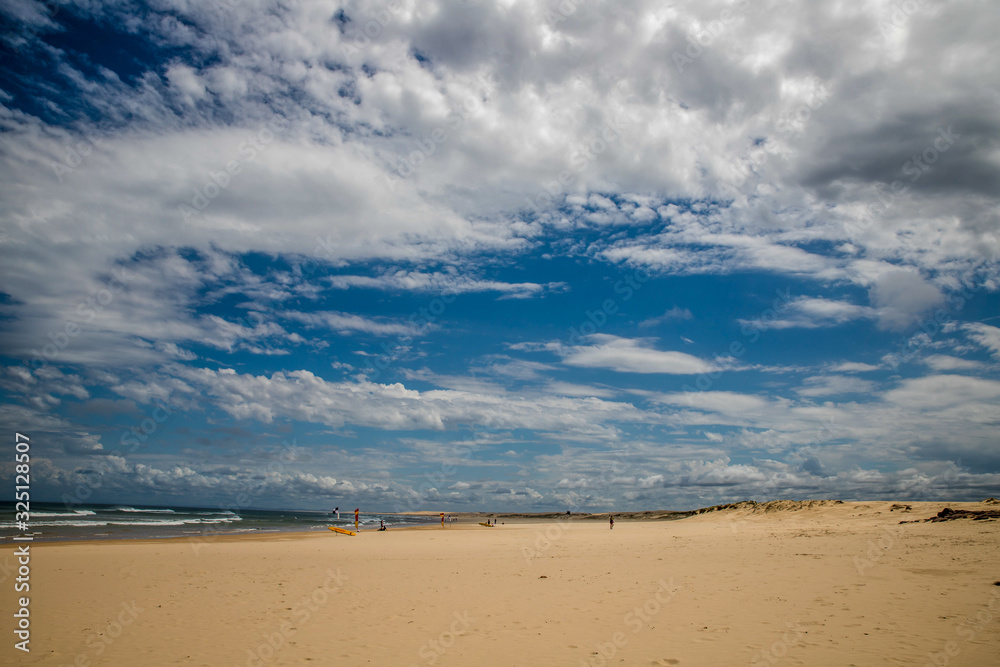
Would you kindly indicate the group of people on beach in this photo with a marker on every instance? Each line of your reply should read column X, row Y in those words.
column 449, row 518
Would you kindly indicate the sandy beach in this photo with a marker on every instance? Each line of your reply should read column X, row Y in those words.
column 830, row 584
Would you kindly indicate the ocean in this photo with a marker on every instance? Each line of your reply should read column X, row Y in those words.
column 55, row 521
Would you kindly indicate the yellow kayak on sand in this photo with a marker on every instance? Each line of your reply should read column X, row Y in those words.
column 341, row 530
column 481, row 523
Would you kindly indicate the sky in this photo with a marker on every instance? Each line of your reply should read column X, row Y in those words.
column 513, row 255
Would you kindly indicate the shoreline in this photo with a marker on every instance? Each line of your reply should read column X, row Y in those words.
column 469, row 520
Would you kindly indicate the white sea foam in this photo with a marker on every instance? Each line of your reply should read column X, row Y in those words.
column 132, row 509
column 150, row 522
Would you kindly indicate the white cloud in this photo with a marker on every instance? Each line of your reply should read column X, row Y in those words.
column 709, row 251
column 944, row 362
column 833, row 385
column 346, row 323
column 441, row 283
column 303, row 396
column 515, row 369
column 46, row 381
column 985, row 335
column 579, row 390
column 463, row 383
column 948, row 393
column 187, row 84
column 723, row 402
column 627, row 355
column 321, row 189
column 32, row 13
column 853, row 367
column 175, row 352
column 812, row 313
column 674, row 313
column 902, row 297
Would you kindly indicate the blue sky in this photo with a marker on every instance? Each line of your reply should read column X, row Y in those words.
column 515, row 255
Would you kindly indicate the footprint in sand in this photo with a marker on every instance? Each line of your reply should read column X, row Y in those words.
column 667, row 661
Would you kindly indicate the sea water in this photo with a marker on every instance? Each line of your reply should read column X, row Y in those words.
column 54, row 521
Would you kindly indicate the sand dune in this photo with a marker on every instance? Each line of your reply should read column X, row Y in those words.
column 821, row 583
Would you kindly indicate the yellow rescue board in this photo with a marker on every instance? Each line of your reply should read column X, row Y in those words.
column 481, row 523
column 341, row 530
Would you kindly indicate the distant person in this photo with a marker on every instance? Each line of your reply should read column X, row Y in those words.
column 381, row 524
column 612, row 522
column 336, row 511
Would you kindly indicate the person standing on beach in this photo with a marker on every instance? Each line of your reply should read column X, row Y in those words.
column 336, row 512
column 612, row 517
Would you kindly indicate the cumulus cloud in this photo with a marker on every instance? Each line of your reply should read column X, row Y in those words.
column 304, row 396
